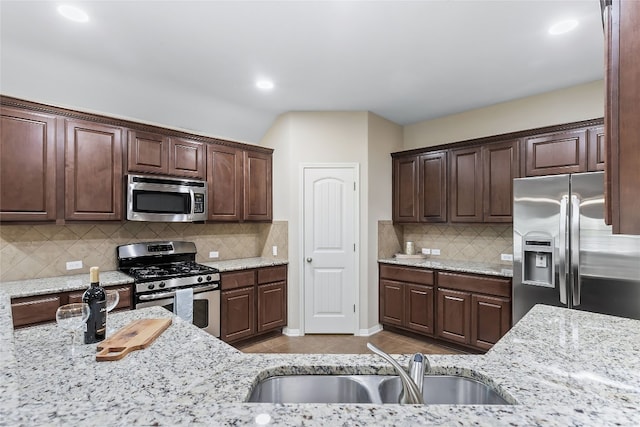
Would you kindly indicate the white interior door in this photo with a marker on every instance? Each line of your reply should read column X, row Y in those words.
column 329, row 237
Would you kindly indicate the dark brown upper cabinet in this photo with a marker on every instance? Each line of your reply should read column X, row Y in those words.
column 93, row 171
column 405, row 189
column 500, row 165
column 27, row 166
column 258, row 186
column 596, row 156
column 564, row 152
column 432, row 191
column 622, row 116
column 160, row 154
column 224, row 179
column 466, row 185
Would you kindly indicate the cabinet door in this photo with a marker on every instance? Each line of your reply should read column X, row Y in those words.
column 554, row 154
column 405, row 189
column 490, row 320
column 224, row 180
column 124, row 295
column 237, row 314
column 27, row 166
column 466, row 185
column 148, row 152
column 93, row 171
column 257, row 187
column 500, row 165
column 622, row 113
column 596, row 154
column 187, row 158
column 454, row 310
column 418, row 308
column 391, row 303
column 272, row 306
column 33, row 310
column 433, row 187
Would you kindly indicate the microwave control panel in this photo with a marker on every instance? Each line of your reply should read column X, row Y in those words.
column 198, row 203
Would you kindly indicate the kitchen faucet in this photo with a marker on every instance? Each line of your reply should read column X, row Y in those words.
column 412, row 383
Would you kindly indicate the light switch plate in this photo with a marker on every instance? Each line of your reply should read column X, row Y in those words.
column 435, row 251
column 74, row 265
column 506, row 257
column 426, row 251
column 274, row 250
column 214, row 254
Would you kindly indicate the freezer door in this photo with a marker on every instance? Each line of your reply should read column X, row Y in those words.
column 536, row 218
column 607, row 265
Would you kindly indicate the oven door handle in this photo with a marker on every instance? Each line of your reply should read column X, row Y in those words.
column 155, row 296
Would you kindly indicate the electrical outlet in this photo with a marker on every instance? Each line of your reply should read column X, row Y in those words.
column 435, row 251
column 426, row 251
column 214, row 254
column 506, row 257
column 74, row 265
column 274, row 250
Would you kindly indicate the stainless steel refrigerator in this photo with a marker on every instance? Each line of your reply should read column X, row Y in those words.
column 564, row 254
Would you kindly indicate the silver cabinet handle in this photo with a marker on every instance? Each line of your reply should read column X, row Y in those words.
column 309, row 259
column 562, row 250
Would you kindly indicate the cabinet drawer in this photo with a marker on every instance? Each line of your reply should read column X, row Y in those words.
column 123, row 292
column 478, row 284
column 238, row 279
column 32, row 310
column 272, row 274
column 406, row 274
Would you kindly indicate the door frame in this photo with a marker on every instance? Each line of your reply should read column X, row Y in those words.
column 355, row 167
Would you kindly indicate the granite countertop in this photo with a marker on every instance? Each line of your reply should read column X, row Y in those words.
column 490, row 269
column 50, row 285
column 562, row 367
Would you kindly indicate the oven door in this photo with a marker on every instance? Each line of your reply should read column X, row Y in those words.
column 206, row 307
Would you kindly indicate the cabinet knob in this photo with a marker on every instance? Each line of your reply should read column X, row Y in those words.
column 309, row 259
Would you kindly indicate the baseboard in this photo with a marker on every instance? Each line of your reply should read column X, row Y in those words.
column 291, row 332
column 368, row 332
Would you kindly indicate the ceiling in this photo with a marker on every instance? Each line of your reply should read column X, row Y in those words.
column 193, row 64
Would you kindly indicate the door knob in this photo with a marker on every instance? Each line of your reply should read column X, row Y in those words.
column 309, row 259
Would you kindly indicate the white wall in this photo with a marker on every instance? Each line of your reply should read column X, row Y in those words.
column 334, row 137
column 571, row 104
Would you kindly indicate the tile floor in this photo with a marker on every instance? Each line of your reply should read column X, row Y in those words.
column 388, row 341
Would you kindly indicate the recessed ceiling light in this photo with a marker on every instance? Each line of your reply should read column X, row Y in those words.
column 73, row 13
column 563, row 27
column 264, row 84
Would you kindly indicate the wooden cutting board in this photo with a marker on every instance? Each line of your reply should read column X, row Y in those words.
column 136, row 335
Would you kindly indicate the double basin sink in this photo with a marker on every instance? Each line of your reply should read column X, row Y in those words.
column 377, row 389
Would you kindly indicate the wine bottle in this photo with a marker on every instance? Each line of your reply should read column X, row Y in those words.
column 96, row 298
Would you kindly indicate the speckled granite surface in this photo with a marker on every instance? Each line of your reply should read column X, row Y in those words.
column 503, row 270
column 562, row 367
column 245, row 263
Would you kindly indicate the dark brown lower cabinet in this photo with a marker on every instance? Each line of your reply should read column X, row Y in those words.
column 467, row 309
column 28, row 311
column 253, row 302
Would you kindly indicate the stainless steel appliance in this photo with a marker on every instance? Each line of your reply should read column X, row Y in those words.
column 161, row 268
column 565, row 255
column 165, row 199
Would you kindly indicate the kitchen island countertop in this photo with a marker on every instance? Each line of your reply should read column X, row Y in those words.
column 562, row 367
column 490, row 269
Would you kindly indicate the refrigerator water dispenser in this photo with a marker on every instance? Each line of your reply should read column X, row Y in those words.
column 538, row 261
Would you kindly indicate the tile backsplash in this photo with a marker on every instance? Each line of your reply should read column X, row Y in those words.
column 468, row 242
column 36, row 251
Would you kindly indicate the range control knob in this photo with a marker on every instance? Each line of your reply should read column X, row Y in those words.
column 162, row 284
column 208, row 278
column 199, row 279
column 151, row 286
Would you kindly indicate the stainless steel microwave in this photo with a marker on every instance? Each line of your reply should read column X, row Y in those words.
column 166, row 199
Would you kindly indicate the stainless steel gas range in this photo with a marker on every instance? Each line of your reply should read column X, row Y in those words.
column 161, row 268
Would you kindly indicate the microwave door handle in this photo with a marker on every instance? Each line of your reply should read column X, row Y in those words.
column 562, row 251
column 575, row 250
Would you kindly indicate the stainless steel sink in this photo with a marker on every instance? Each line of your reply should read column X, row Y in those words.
column 444, row 390
column 380, row 389
column 311, row 389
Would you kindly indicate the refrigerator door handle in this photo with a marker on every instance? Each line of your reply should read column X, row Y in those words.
column 562, row 250
column 575, row 250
